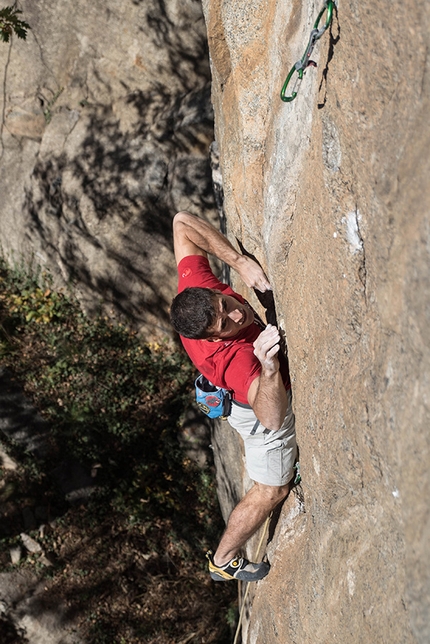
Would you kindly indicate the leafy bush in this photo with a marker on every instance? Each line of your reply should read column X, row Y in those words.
column 114, row 403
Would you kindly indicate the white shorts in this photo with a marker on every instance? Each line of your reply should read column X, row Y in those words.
column 270, row 455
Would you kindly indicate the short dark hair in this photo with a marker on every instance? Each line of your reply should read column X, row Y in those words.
column 193, row 312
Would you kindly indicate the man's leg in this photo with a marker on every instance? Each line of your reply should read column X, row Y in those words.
column 247, row 517
column 270, row 457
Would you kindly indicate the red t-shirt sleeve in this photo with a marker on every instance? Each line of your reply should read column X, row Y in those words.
column 194, row 270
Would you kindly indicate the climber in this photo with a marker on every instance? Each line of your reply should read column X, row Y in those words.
column 230, row 346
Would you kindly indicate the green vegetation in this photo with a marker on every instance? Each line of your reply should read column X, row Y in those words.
column 130, row 561
column 47, row 113
column 10, row 23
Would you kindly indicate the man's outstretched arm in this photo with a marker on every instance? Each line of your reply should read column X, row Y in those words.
column 267, row 395
column 193, row 236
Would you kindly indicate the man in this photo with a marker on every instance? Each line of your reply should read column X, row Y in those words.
column 224, row 340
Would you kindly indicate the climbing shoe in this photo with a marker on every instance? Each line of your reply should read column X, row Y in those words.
column 237, row 568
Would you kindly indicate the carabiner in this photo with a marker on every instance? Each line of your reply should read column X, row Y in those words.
column 301, row 65
column 297, row 67
column 329, row 6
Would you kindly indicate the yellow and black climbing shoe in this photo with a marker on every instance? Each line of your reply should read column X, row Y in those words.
column 237, row 568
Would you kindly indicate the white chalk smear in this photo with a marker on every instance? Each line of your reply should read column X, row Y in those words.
column 316, row 465
column 353, row 235
column 350, row 576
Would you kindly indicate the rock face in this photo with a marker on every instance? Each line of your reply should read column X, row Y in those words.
column 106, row 127
column 331, row 193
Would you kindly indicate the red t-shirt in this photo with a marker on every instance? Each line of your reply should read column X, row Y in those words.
column 229, row 363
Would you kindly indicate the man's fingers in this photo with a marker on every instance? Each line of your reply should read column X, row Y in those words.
column 268, row 335
column 267, row 352
column 263, row 286
column 267, row 344
column 273, row 351
column 262, row 283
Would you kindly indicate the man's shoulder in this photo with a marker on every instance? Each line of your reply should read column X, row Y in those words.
column 195, row 261
column 195, row 271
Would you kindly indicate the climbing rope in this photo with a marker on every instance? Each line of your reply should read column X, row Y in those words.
column 301, row 65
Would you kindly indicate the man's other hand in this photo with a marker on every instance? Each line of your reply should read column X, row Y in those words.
column 252, row 274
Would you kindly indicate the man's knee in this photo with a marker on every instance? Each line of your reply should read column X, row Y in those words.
column 272, row 493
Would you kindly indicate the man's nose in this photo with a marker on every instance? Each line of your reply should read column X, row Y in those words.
column 235, row 315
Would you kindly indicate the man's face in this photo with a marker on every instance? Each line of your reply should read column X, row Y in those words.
column 232, row 317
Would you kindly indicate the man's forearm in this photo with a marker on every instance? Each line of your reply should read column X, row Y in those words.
column 209, row 239
column 270, row 401
column 192, row 234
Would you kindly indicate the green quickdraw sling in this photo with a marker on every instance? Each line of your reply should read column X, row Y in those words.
column 301, row 65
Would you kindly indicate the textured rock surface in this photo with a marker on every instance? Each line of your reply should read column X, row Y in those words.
column 22, row 601
column 331, row 193
column 106, row 125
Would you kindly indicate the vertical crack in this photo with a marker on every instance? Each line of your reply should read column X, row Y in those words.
column 362, row 271
column 3, row 113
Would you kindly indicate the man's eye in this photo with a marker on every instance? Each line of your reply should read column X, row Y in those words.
column 224, row 306
column 223, row 325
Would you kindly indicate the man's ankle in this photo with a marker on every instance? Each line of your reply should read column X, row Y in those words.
column 221, row 561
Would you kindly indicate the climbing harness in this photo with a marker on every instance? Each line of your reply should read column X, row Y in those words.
column 301, row 65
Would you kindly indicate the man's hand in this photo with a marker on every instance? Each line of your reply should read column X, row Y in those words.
column 266, row 348
column 266, row 394
column 252, row 274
